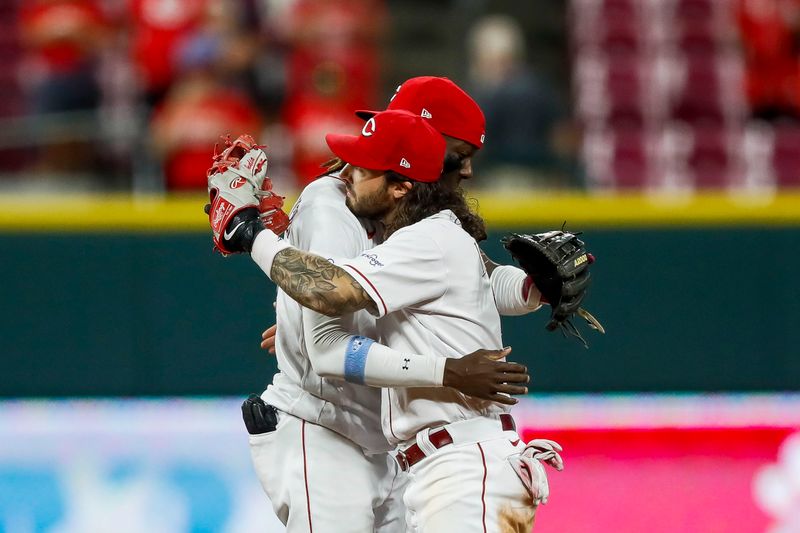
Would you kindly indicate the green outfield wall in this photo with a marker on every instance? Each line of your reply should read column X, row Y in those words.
column 124, row 297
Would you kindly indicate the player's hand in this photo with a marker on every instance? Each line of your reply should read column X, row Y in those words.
column 241, row 199
column 482, row 375
column 268, row 338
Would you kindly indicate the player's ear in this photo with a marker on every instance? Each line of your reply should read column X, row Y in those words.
column 398, row 189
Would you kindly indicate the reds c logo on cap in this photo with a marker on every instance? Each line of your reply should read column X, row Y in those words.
column 369, row 128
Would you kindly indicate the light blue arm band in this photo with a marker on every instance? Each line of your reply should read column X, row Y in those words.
column 355, row 358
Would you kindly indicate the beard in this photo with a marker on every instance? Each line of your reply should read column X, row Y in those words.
column 374, row 205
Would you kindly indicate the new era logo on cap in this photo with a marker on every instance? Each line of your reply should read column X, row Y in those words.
column 404, row 163
column 448, row 108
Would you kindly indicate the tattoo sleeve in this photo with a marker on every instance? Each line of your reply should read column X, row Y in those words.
column 316, row 283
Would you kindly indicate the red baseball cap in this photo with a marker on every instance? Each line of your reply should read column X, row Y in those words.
column 448, row 108
column 394, row 140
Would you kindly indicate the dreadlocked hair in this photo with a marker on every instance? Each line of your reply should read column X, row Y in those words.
column 427, row 199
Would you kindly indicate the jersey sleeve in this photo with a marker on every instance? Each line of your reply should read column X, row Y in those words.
column 327, row 230
column 406, row 270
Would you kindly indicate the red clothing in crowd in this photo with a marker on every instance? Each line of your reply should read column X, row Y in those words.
column 159, row 26
column 768, row 30
column 343, row 33
column 333, row 70
column 190, row 127
column 310, row 120
column 58, row 32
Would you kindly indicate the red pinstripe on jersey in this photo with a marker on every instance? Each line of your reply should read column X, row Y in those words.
column 385, row 309
column 389, row 402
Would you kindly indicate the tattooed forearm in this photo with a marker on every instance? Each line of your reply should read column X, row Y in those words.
column 318, row 284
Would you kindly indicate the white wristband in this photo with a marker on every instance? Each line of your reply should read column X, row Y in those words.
column 265, row 247
column 334, row 353
column 387, row 367
column 369, row 363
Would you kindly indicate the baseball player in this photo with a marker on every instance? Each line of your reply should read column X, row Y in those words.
column 459, row 119
column 322, row 222
column 429, row 284
column 329, row 426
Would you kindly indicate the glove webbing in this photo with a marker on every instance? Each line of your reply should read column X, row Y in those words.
column 568, row 329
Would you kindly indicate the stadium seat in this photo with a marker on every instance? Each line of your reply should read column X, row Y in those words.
column 755, row 150
column 663, row 88
column 710, row 159
column 694, row 10
column 621, row 37
column 698, row 101
column 786, row 155
column 624, row 86
column 589, row 78
column 598, row 155
column 630, row 166
column 697, row 38
column 619, row 8
column 616, row 159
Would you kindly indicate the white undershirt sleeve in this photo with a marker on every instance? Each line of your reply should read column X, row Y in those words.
column 508, row 285
column 335, row 353
column 265, row 247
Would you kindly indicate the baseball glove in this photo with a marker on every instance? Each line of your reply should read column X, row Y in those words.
column 238, row 188
column 558, row 264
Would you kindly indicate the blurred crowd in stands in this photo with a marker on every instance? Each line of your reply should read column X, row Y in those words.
column 132, row 94
column 161, row 80
column 681, row 95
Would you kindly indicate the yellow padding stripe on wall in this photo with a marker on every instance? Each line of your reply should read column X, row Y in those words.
column 580, row 211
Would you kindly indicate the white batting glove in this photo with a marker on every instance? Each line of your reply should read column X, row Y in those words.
column 546, row 451
column 528, row 467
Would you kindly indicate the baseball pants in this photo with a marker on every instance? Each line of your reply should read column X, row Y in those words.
column 321, row 482
column 469, row 487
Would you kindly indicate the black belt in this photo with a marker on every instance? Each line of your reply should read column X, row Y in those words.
column 414, row 454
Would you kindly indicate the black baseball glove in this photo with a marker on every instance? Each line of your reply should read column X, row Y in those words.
column 558, row 263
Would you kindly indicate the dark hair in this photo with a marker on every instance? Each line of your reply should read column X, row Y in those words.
column 331, row 165
column 426, row 199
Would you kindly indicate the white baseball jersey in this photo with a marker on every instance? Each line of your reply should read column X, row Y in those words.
column 323, row 224
column 433, row 296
